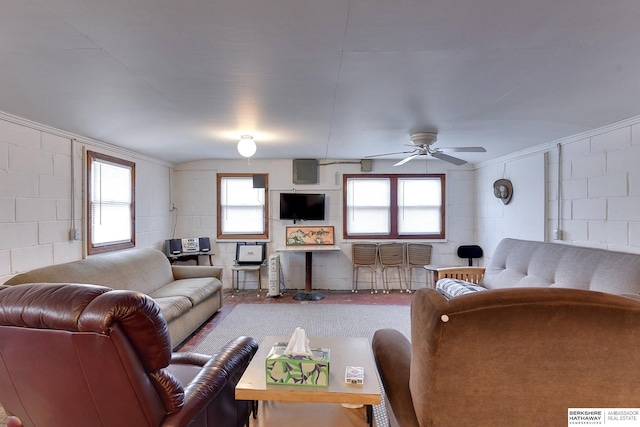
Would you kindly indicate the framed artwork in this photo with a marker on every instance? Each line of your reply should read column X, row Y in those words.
column 310, row 235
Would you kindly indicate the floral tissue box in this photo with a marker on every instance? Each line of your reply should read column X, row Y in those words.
column 297, row 370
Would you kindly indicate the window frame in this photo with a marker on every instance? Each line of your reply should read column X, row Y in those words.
column 92, row 248
column 241, row 236
column 393, row 206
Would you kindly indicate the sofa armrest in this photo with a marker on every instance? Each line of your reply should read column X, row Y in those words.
column 195, row 271
column 468, row 274
column 227, row 364
column 392, row 353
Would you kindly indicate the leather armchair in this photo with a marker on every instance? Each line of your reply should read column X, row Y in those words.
column 510, row 357
column 85, row 355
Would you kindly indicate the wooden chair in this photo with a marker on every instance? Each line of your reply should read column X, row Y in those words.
column 364, row 255
column 418, row 255
column 468, row 274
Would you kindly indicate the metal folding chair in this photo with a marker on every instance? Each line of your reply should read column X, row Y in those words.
column 391, row 255
column 365, row 255
column 418, row 255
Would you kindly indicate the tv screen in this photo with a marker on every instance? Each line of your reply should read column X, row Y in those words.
column 299, row 206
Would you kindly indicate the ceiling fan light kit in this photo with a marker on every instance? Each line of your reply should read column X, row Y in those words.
column 423, row 138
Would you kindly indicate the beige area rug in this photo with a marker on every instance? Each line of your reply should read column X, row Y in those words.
column 321, row 320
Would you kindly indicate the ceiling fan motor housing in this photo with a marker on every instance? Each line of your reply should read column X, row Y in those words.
column 423, row 138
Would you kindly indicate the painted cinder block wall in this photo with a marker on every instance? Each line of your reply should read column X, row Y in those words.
column 194, row 194
column 596, row 203
column 35, row 195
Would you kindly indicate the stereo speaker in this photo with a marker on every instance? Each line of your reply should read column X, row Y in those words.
column 205, row 244
column 259, row 181
column 173, row 246
column 470, row 251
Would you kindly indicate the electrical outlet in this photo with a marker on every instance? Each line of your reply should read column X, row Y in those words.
column 557, row 234
column 74, row 234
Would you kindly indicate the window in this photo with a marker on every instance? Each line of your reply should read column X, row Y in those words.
column 110, row 203
column 243, row 206
column 393, row 206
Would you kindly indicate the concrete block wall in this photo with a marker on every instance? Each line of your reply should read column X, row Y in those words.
column 597, row 203
column 36, row 195
column 599, row 193
column 194, row 186
column 524, row 216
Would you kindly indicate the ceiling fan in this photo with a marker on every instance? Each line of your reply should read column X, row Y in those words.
column 423, row 146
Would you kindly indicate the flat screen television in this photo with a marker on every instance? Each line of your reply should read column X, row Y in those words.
column 300, row 206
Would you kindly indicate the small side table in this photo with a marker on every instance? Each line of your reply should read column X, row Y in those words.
column 185, row 256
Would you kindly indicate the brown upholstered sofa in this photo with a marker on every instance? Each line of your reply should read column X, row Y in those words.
column 187, row 295
column 546, row 333
column 85, row 355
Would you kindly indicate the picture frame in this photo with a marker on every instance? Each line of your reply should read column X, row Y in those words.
column 304, row 236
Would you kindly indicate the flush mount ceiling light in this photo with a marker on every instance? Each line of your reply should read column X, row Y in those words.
column 246, row 146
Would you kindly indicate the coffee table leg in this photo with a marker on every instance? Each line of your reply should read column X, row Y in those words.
column 369, row 409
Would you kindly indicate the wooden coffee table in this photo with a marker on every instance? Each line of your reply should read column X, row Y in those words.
column 344, row 352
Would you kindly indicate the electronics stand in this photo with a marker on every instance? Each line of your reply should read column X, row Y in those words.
column 308, row 294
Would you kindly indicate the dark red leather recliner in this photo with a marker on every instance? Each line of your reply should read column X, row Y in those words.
column 85, row 355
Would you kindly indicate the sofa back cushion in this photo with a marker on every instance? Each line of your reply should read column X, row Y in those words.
column 522, row 263
column 143, row 270
column 521, row 356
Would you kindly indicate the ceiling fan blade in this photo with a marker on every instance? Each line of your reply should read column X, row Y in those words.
column 463, row 149
column 406, row 159
column 390, row 154
column 448, row 158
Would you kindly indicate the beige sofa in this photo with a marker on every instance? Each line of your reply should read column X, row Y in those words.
column 524, row 263
column 187, row 295
column 543, row 332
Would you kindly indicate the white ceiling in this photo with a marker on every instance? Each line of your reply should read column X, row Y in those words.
column 327, row 79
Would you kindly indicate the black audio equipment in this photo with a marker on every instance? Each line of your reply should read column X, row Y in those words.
column 470, row 251
column 205, row 244
column 173, row 246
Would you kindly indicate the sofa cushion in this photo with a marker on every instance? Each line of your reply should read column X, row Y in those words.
column 196, row 290
column 522, row 263
column 143, row 270
column 173, row 307
column 454, row 287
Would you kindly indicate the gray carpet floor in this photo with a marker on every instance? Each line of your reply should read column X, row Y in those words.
column 322, row 320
